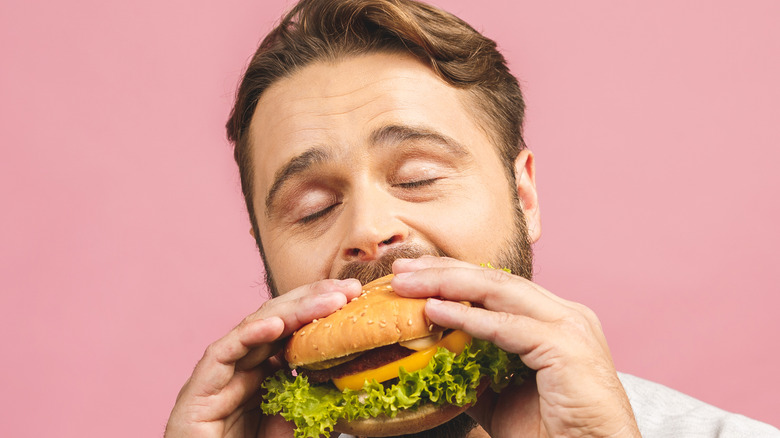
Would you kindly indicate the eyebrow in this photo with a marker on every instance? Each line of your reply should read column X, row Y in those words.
column 393, row 134
column 382, row 137
column 295, row 166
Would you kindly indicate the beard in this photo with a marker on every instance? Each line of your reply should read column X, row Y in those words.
column 515, row 254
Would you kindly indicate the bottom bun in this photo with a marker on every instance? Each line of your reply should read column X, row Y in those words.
column 407, row 421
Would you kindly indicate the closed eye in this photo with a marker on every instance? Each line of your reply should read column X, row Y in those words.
column 415, row 184
column 314, row 216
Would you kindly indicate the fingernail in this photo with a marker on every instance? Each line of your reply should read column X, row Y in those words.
column 269, row 321
column 433, row 302
column 329, row 296
column 348, row 282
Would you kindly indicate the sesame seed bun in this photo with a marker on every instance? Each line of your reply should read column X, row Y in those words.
column 376, row 318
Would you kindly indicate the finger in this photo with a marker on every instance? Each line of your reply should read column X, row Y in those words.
column 294, row 314
column 245, row 385
column 241, row 387
column 569, row 309
column 513, row 333
column 253, row 341
column 498, row 413
column 570, row 341
column 217, row 366
column 276, row 426
column 427, row 261
column 494, row 289
column 305, row 303
column 259, row 354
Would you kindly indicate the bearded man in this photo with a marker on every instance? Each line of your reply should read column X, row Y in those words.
column 378, row 136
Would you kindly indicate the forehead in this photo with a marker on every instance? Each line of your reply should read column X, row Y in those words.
column 337, row 105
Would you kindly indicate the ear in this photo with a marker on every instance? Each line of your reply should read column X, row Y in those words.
column 525, row 178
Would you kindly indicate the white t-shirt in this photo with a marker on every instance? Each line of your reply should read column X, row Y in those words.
column 663, row 412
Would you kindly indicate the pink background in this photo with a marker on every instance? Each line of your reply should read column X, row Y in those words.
column 124, row 245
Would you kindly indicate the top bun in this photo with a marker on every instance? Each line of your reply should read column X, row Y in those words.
column 376, row 318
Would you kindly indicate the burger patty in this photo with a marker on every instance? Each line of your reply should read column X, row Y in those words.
column 366, row 361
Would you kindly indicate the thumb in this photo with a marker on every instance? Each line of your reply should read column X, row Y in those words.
column 482, row 410
column 513, row 412
column 275, row 426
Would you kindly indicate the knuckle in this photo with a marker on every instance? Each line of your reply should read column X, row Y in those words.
column 265, row 307
column 575, row 322
column 588, row 315
column 504, row 318
column 502, row 321
column 496, row 275
column 320, row 286
column 263, row 311
column 211, row 351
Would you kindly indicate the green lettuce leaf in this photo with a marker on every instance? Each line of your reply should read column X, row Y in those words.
column 448, row 378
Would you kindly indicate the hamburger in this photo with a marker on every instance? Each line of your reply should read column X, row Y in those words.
column 379, row 367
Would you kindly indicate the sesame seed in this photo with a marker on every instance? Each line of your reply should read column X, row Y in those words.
column 398, row 330
column 382, row 323
column 303, row 332
column 430, row 328
column 370, row 321
column 353, row 299
column 363, row 313
column 329, row 325
column 315, row 320
column 409, row 322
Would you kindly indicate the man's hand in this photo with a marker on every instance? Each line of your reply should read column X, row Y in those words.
column 576, row 392
column 221, row 397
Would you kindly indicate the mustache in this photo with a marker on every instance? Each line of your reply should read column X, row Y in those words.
column 368, row 271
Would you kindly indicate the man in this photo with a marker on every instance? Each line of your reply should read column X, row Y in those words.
column 378, row 136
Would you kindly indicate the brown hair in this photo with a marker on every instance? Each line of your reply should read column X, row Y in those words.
column 329, row 29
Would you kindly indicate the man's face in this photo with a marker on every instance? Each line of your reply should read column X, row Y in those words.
column 370, row 157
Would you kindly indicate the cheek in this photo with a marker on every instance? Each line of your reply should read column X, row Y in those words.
column 472, row 227
column 294, row 262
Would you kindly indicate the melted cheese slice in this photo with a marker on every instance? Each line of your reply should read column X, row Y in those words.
column 454, row 342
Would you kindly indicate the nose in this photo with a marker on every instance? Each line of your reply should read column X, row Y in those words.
column 372, row 229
